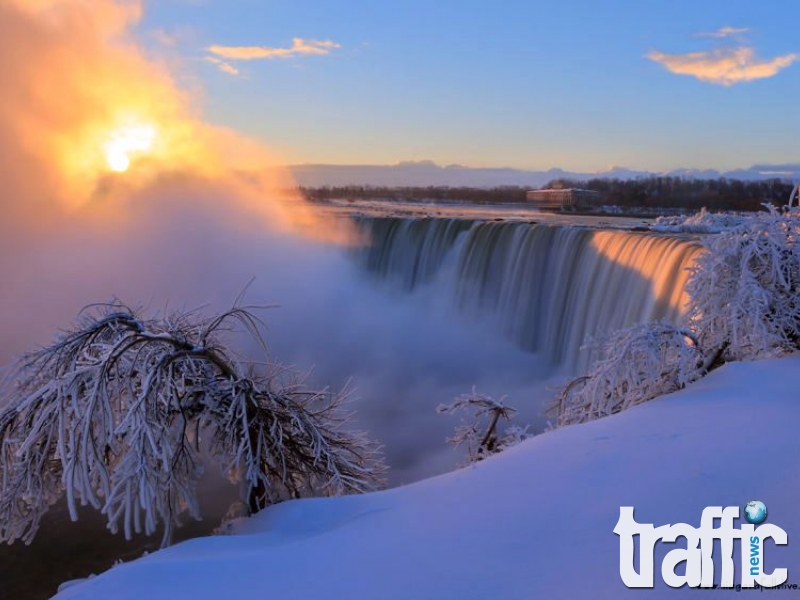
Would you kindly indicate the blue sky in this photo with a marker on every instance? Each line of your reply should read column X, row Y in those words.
column 579, row 84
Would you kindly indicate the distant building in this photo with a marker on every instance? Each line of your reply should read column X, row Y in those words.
column 569, row 198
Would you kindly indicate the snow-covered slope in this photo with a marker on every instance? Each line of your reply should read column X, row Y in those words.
column 533, row 522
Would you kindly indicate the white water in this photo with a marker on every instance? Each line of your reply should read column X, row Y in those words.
column 549, row 289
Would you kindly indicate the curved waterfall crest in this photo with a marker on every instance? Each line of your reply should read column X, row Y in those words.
column 549, row 288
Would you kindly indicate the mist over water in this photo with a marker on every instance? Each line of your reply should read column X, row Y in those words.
column 404, row 355
column 197, row 245
column 505, row 307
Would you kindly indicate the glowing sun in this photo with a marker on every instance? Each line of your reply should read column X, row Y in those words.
column 127, row 140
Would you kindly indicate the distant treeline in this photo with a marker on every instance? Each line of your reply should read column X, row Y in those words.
column 714, row 194
column 650, row 192
column 419, row 194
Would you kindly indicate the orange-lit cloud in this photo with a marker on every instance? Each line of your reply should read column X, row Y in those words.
column 724, row 32
column 299, row 47
column 725, row 66
column 222, row 65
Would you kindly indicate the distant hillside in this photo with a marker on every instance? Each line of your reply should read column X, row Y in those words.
column 427, row 173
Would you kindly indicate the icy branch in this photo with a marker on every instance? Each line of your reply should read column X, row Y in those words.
column 113, row 414
column 481, row 434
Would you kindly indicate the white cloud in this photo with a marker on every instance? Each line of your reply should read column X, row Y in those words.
column 724, row 66
column 299, row 47
column 724, row 32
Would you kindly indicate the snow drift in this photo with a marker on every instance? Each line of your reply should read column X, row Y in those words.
column 535, row 521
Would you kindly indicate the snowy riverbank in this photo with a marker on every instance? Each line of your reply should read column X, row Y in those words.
column 534, row 522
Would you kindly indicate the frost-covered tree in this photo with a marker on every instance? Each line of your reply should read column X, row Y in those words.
column 483, row 434
column 745, row 289
column 121, row 412
column 744, row 303
column 634, row 365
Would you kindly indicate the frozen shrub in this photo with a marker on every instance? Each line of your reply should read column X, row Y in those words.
column 118, row 413
column 745, row 289
column 483, row 434
column 634, row 366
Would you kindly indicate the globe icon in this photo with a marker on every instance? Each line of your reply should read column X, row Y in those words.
column 755, row 512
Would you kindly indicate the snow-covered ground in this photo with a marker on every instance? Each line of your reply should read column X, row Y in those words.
column 479, row 212
column 701, row 222
column 534, row 522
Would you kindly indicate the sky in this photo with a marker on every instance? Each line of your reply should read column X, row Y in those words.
column 577, row 84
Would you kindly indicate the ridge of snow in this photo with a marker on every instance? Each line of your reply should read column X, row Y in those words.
column 533, row 522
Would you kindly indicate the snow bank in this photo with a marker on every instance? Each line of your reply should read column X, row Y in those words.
column 701, row 222
column 533, row 522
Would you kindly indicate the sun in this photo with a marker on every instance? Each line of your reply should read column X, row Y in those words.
column 117, row 161
column 129, row 139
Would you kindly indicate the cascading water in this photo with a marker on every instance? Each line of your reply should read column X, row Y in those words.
column 410, row 252
column 550, row 289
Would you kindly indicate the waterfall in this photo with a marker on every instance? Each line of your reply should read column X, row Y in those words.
column 548, row 288
column 410, row 252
